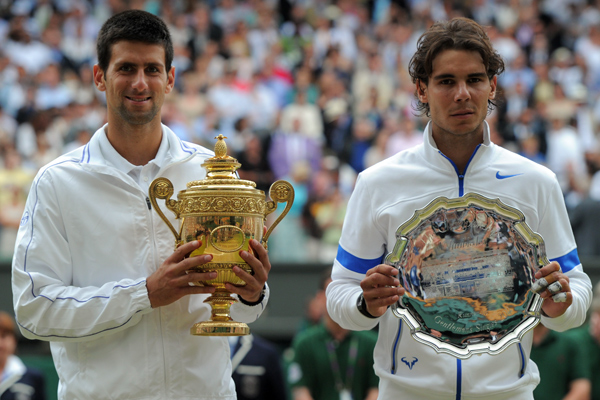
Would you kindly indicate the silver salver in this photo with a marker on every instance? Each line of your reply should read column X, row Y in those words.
column 468, row 265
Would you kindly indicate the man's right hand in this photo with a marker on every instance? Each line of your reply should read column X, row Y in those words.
column 381, row 289
column 172, row 280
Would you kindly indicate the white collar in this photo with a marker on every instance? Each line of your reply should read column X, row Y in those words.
column 113, row 157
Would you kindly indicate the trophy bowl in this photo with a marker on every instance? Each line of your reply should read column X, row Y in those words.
column 468, row 266
column 224, row 213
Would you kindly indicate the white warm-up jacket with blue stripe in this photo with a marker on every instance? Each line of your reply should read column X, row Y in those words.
column 88, row 240
column 385, row 197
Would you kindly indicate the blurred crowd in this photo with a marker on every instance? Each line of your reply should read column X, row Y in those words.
column 311, row 91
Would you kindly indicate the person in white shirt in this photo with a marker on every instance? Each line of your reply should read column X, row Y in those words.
column 94, row 271
column 455, row 73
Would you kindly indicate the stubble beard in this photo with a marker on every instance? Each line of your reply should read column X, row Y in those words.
column 137, row 118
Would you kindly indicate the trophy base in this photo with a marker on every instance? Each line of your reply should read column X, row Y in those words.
column 220, row 328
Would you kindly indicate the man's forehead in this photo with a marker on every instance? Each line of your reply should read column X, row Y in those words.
column 133, row 52
column 458, row 62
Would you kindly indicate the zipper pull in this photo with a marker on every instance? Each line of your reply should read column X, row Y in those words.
column 149, row 204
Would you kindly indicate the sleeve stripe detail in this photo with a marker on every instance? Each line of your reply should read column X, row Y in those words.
column 568, row 261
column 356, row 264
column 74, row 337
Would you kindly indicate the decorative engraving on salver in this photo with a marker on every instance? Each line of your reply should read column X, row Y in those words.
column 491, row 272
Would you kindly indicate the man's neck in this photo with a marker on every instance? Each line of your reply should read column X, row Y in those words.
column 458, row 149
column 138, row 145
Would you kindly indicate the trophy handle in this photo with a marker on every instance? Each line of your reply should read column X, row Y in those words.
column 162, row 188
column 280, row 192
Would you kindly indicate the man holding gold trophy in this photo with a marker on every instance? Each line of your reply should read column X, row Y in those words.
column 451, row 236
column 95, row 271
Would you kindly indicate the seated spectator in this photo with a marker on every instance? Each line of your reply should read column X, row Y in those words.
column 17, row 382
column 587, row 338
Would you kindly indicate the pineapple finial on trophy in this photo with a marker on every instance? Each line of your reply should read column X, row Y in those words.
column 220, row 146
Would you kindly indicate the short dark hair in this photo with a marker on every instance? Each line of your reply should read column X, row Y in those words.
column 457, row 34
column 135, row 26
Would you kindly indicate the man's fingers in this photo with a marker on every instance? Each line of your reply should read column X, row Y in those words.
column 382, row 301
column 547, row 270
column 378, row 280
column 192, row 276
column 383, row 269
column 183, row 251
column 381, row 292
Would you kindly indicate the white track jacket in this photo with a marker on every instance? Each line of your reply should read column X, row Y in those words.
column 88, row 240
column 386, row 196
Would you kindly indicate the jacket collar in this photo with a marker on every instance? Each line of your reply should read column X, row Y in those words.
column 177, row 149
column 434, row 156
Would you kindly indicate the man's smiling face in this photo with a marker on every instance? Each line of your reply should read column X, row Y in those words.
column 135, row 82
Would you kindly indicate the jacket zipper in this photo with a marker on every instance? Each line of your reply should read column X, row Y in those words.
column 461, row 177
column 395, row 347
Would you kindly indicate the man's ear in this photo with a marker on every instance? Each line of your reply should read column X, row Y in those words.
column 421, row 91
column 493, row 86
column 99, row 78
column 170, row 80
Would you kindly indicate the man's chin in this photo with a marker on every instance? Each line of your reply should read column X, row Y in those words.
column 138, row 118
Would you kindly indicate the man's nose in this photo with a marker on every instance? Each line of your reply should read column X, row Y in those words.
column 462, row 92
column 139, row 81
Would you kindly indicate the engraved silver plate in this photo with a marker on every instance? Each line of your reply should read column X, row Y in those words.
column 468, row 265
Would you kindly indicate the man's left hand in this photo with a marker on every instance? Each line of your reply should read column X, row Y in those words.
column 555, row 291
column 261, row 266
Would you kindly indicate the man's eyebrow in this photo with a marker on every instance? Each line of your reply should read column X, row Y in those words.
column 452, row 76
column 133, row 64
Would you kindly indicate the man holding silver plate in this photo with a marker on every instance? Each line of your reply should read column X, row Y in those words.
column 457, row 247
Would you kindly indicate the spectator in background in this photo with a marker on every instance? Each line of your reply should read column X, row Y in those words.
column 332, row 363
column 17, row 382
column 52, row 91
column 585, row 216
column 309, row 114
column 257, row 369
column 292, row 147
column 565, row 154
column 564, row 372
column 205, row 31
column 404, row 136
column 587, row 338
column 373, row 77
column 255, row 165
column 355, row 150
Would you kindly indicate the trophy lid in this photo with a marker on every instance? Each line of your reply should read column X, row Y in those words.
column 221, row 168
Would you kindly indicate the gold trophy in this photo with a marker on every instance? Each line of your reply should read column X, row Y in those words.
column 224, row 213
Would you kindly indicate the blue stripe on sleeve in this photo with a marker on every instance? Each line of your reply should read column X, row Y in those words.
column 568, row 261
column 356, row 264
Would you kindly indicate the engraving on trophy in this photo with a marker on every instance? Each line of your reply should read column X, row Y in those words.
column 468, row 265
column 227, row 238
